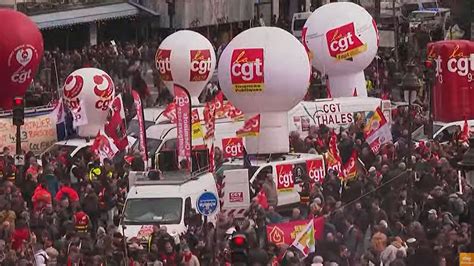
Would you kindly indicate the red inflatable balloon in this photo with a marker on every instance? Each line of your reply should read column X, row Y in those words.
column 21, row 50
column 453, row 92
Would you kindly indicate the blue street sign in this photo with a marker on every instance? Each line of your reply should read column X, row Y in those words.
column 207, row 203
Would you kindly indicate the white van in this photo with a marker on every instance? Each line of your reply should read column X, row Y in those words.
column 442, row 132
column 334, row 113
column 288, row 170
column 166, row 202
column 76, row 147
column 297, row 23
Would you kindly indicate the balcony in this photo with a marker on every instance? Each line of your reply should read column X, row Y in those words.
column 41, row 7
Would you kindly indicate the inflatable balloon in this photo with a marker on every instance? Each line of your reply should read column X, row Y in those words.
column 343, row 40
column 186, row 58
column 88, row 92
column 453, row 92
column 21, row 50
column 265, row 70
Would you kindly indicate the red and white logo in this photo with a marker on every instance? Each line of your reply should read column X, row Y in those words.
column 20, row 59
column 285, row 177
column 343, row 42
column 104, row 89
column 457, row 62
column 247, row 70
column 236, row 196
column 200, row 65
column 315, row 169
column 233, row 147
column 73, row 86
column 163, row 64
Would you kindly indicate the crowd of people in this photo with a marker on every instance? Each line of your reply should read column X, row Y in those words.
column 397, row 211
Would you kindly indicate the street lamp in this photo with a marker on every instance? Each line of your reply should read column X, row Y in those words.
column 410, row 85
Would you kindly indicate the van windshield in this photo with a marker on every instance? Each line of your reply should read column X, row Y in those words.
column 299, row 24
column 153, row 210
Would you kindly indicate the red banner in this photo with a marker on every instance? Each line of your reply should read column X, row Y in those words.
column 285, row 233
column 453, row 92
column 333, row 159
column 104, row 147
column 251, row 127
column 141, row 125
column 315, row 170
column 233, row 147
column 183, row 122
column 115, row 126
column 286, row 181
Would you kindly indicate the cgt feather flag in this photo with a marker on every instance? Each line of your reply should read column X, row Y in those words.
column 251, row 127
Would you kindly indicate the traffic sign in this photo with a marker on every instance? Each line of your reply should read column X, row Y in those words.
column 19, row 159
column 207, row 203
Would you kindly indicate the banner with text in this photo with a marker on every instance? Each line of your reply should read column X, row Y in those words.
column 37, row 134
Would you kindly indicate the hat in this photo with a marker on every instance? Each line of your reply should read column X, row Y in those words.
column 318, row 259
column 432, row 211
column 454, row 195
column 372, row 169
column 411, row 240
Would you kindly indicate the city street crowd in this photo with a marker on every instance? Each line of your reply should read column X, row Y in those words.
column 397, row 210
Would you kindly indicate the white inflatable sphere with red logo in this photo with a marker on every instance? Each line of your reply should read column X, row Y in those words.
column 264, row 69
column 343, row 40
column 188, row 59
column 89, row 91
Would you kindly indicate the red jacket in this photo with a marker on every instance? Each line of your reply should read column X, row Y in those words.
column 41, row 194
column 19, row 236
column 68, row 192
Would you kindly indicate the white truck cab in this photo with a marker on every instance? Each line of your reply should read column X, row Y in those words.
column 166, row 202
column 297, row 23
column 288, row 171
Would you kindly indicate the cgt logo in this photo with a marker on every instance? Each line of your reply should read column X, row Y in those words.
column 343, row 42
column 200, row 65
column 163, row 64
column 247, row 69
column 104, row 89
column 285, row 177
column 457, row 62
column 20, row 59
column 73, row 86
column 236, row 196
column 315, row 169
column 233, row 147
column 182, row 101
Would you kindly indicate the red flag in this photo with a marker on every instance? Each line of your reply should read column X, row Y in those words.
column 141, row 124
column 349, row 170
column 212, row 165
column 210, row 117
column 251, row 127
column 333, row 159
column 355, row 92
column 115, row 126
column 170, row 112
column 183, row 123
column 465, row 134
column 104, row 147
column 262, row 199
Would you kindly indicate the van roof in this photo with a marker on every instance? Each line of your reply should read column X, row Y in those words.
column 173, row 185
column 261, row 161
